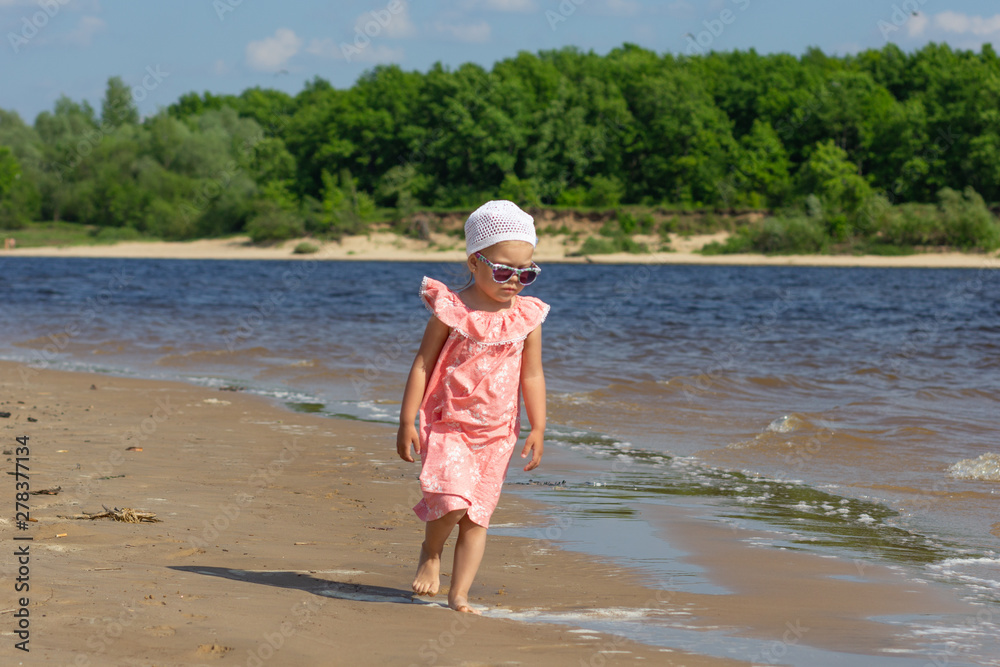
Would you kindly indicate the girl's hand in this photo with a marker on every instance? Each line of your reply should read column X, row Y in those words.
column 407, row 437
column 535, row 444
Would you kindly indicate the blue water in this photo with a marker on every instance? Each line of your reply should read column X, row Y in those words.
column 825, row 405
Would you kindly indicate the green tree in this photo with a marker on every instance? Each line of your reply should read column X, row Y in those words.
column 10, row 171
column 684, row 143
column 118, row 107
column 344, row 208
column 276, row 215
column 193, row 104
column 761, row 176
column 833, row 178
column 521, row 191
column 19, row 199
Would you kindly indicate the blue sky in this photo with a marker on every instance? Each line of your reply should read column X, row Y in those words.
column 163, row 50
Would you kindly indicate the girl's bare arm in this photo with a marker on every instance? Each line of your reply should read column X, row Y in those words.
column 430, row 347
column 533, row 389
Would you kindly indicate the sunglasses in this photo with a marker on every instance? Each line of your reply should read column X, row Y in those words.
column 502, row 273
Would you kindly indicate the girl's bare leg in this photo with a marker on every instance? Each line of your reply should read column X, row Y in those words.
column 469, row 551
column 436, row 532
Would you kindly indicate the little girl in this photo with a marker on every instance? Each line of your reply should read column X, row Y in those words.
column 481, row 350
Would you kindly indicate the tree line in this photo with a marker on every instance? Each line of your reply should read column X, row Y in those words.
column 879, row 148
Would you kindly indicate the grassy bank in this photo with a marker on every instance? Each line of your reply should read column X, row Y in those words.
column 959, row 221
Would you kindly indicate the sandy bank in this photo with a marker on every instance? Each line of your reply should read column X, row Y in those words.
column 285, row 538
column 387, row 246
column 290, row 535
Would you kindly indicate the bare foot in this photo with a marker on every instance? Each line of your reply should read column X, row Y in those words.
column 462, row 605
column 428, row 579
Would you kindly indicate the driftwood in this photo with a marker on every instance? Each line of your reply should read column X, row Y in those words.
column 126, row 514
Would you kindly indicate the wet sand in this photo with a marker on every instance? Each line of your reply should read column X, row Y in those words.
column 287, row 538
column 387, row 246
column 284, row 537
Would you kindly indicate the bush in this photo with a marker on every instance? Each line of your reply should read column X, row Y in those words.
column 272, row 223
column 305, row 248
column 627, row 224
column 967, row 221
column 961, row 220
column 575, row 197
column 116, row 234
column 12, row 217
column 739, row 242
column 605, row 246
column 790, row 236
column 600, row 192
column 521, row 191
column 886, row 249
column 164, row 220
column 604, row 191
column 912, row 224
column 646, row 223
column 774, row 236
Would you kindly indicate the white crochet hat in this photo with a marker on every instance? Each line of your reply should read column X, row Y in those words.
column 496, row 221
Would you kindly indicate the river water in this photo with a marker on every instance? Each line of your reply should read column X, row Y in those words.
column 847, row 411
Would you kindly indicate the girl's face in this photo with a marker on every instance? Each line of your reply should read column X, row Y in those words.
column 516, row 254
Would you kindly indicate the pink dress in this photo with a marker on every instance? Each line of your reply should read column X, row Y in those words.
column 470, row 415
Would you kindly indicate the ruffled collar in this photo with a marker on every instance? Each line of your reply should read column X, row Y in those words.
column 509, row 325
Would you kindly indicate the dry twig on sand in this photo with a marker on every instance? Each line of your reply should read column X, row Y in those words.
column 126, row 514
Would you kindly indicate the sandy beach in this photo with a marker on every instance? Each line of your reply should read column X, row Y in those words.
column 286, row 538
column 387, row 246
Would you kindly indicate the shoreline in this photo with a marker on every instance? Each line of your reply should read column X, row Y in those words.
column 386, row 246
column 280, row 535
column 308, row 518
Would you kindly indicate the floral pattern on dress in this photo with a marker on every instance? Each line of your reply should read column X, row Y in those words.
column 470, row 413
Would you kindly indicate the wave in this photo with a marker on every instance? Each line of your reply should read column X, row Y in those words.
column 984, row 468
column 979, row 573
column 213, row 356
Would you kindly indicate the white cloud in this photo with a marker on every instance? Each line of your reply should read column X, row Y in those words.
column 327, row 48
column 383, row 22
column 86, row 28
column 476, row 33
column 220, row 67
column 917, row 24
column 963, row 23
column 272, row 53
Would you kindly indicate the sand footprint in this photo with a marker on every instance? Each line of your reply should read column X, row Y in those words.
column 213, row 650
column 159, row 630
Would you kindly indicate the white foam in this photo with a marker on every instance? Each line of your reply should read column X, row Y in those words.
column 985, row 468
column 981, row 572
column 611, row 613
column 952, row 562
column 785, row 424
